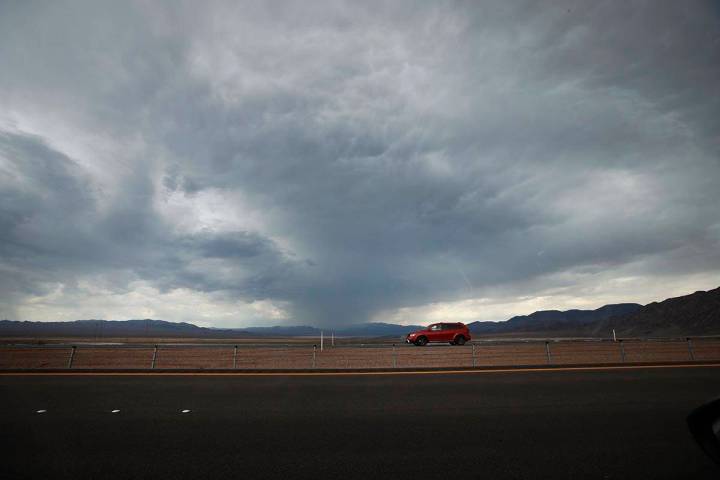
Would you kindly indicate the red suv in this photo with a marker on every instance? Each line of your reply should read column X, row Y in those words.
column 453, row 333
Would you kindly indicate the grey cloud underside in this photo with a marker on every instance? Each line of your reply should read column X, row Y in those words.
column 54, row 230
column 408, row 157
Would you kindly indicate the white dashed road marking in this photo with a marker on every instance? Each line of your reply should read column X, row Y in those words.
column 41, row 411
column 115, row 411
column 184, row 411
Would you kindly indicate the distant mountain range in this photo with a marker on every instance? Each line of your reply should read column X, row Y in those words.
column 108, row 328
column 695, row 314
column 161, row 328
column 555, row 321
column 360, row 330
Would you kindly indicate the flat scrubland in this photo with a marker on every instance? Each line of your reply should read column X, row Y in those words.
column 302, row 355
column 248, row 340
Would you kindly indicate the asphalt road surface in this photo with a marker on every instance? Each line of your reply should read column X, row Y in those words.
column 604, row 424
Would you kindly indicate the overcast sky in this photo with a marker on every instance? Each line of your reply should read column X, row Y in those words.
column 257, row 163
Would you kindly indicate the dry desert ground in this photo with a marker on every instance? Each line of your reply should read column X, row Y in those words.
column 302, row 355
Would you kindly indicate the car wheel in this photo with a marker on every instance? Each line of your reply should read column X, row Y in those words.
column 460, row 340
column 421, row 341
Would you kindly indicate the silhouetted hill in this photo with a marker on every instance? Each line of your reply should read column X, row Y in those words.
column 554, row 321
column 110, row 328
column 161, row 328
column 694, row 314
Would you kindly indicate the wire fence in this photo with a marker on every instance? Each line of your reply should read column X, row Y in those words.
column 486, row 353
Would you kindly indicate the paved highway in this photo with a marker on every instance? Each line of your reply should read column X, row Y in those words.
column 605, row 424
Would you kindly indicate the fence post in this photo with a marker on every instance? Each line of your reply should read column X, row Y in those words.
column 394, row 353
column 72, row 355
column 547, row 350
column 152, row 365
column 235, row 357
column 622, row 351
column 690, row 349
column 473, row 355
column 314, row 351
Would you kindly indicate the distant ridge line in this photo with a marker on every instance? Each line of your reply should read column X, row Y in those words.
column 694, row 314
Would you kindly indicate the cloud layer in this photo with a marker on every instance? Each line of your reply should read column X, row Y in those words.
column 253, row 162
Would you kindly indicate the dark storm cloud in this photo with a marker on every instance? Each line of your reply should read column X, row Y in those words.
column 404, row 155
column 53, row 230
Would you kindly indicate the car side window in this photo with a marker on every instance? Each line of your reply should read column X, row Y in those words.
column 448, row 326
column 434, row 328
